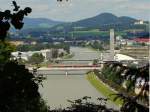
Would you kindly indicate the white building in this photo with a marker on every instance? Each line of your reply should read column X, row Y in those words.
column 139, row 22
column 122, row 57
column 47, row 53
column 25, row 55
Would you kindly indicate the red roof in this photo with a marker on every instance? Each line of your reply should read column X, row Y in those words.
column 142, row 39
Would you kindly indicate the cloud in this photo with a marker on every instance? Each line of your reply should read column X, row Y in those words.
column 80, row 9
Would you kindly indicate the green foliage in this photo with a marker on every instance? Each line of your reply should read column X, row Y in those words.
column 24, row 48
column 54, row 53
column 95, row 61
column 130, row 104
column 18, row 87
column 111, row 73
column 84, row 105
column 5, row 51
column 102, row 88
column 61, row 54
column 68, row 56
column 36, row 58
column 96, row 45
column 89, row 33
column 19, row 92
column 66, row 47
column 15, row 18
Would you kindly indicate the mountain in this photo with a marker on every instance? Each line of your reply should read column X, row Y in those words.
column 103, row 21
column 39, row 23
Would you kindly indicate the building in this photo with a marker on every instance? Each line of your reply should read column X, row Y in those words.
column 122, row 57
column 47, row 53
column 145, row 41
column 33, row 43
column 26, row 55
column 119, row 42
column 134, row 42
column 138, row 52
column 17, row 43
column 139, row 22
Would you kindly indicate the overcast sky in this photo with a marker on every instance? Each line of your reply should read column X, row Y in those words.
column 80, row 9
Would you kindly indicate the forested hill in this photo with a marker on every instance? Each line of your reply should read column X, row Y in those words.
column 90, row 27
column 39, row 23
column 104, row 19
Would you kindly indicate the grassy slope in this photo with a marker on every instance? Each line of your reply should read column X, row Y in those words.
column 106, row 91
column 92, row 33
column 68, row 56
column 95, row 33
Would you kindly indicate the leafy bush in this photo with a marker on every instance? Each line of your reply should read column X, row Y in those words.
column 19, row 90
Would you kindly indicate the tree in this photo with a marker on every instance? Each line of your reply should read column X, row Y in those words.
column 18, row 87
column 54, row 53
column 83, row 105
column 143, row 44
column 19, row 90
column 15, row 19
column 95, row 61
column 66, row 48
column 61, row 54
column 96, row 45
column 132, row 75
column 5, row 51
column 36, row 58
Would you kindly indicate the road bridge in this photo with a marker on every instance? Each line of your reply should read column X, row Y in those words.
column 66, row 69
column 72, row 60
column 72, row 67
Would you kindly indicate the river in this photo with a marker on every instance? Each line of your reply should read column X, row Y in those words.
column 58, row 88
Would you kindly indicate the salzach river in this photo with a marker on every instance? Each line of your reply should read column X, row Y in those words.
column 58, row 87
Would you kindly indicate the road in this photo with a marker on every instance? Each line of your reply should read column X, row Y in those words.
column 58, row 87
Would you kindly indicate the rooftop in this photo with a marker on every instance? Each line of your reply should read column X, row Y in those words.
column 142, row 39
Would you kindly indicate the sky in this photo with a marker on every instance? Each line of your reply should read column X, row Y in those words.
column 80, row 9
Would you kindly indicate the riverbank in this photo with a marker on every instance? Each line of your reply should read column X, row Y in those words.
column 103, row 88
column 68, row 56
column 91, row 48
